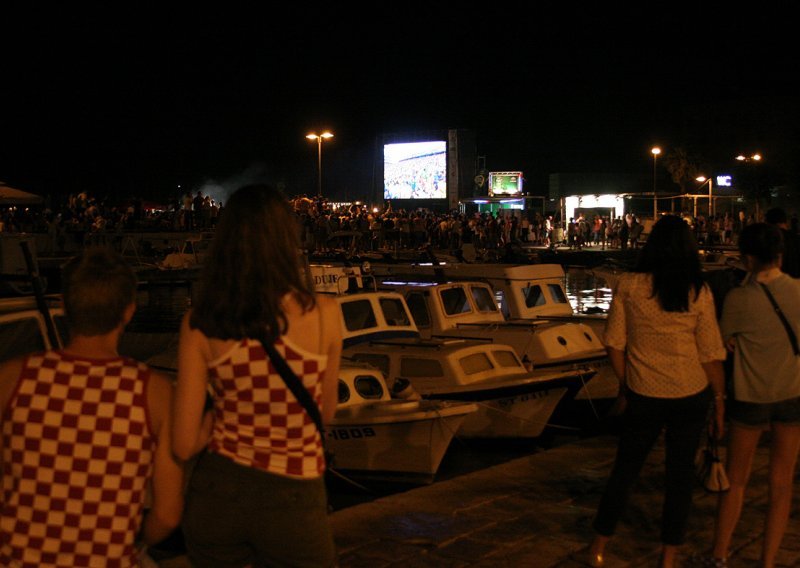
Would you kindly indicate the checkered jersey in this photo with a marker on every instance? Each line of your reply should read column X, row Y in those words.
column 77, row 454
column 259, row 423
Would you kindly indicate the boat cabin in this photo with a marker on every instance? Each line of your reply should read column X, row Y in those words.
column 433, row 364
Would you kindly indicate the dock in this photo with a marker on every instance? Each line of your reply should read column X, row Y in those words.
column 536, row 511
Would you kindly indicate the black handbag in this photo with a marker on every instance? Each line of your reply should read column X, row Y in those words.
column 294, row 384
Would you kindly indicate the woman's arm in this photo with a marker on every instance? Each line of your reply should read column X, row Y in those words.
column 333, row 336
column 716, row 378
column 617, row 359
column 191, row 426
column 165, row 514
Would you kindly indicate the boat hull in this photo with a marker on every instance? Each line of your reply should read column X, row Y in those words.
column 518, row 416
column 390, row 441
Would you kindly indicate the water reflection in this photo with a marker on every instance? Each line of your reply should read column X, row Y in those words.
column 587, row 292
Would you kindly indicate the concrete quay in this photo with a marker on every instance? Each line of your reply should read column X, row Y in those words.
column 537, row 511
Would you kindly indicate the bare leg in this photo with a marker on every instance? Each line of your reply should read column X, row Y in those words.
column 742, row 445
column 668, row 554
column 782, row 460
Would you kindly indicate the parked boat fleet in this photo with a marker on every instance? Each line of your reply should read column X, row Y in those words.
column 431, row 353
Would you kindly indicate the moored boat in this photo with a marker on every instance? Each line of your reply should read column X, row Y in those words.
column 376, row 435
column 513, row 402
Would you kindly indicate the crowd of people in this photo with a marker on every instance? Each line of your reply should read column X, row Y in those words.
column 83, row 219
column 235, row 451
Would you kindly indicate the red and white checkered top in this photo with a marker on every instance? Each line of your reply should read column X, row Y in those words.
column 259, row 423
column 77, row 455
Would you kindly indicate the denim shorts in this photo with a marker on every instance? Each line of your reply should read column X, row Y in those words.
column 761, row 415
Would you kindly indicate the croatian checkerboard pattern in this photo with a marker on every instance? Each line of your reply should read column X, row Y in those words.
column 259, row 422
column 77, row 454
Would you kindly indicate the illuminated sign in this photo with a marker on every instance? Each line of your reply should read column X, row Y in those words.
column 505, row 183
column 724, row 181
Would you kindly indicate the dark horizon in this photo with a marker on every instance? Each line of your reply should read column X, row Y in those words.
column 140, row 109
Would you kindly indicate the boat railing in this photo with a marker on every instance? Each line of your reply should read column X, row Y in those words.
column 483, row 339
column 420, row 344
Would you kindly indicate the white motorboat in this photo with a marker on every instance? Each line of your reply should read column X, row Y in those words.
column 528, row 296
column 379, row 436
column 513, row 402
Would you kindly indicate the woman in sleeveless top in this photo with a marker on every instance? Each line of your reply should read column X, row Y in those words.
column 257, row 495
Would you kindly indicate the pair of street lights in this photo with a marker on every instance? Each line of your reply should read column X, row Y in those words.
column 319, row 138
column 656, row 151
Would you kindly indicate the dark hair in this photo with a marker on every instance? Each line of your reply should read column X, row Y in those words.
column 763, row 241
column 98, row 286
column 776, row 216
column 253, row 263
column 670, row 255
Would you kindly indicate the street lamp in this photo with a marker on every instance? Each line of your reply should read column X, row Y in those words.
column 755, row 188
column 754, row 158
column 318, row 138
column 703, row 181
column 655, row 151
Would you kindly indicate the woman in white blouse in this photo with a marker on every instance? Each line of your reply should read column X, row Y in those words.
column 665, row 346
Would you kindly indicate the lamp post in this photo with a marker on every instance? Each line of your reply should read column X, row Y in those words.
column 710, row 183
column 655, row 151
column 755, row 189
column 318, row 138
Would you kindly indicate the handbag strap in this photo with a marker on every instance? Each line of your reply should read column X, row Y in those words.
column 786, row 325
column 294, row 384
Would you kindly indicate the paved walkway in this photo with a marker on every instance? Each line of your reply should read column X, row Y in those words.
column 536, row 511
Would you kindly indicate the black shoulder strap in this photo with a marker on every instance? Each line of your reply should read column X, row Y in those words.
column 294, row 384
column 789, row 330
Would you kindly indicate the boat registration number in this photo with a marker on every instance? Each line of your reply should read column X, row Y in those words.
column 350, row 433
column 505, row 402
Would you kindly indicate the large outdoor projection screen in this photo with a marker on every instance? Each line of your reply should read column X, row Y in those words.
column 415, row 170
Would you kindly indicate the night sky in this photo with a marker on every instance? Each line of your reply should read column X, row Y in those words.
column 124, row 104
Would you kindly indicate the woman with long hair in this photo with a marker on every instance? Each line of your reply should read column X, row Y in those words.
column 766, row 387
column 257, row 494
column 664, row 344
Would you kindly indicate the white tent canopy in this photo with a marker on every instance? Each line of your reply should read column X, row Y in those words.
column 13, row 196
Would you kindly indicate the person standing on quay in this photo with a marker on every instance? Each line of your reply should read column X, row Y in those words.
column 664, row 344
column 766, row 387
column 257, row 495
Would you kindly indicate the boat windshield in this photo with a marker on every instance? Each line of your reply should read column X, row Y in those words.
column 393, row 312
column 506, row 358
column 483, row 299
column 419, row 311
column 557, row 293
column 533, row 296
column 476, row 363
column 358, row 315
column 454, row 301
